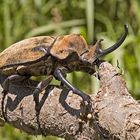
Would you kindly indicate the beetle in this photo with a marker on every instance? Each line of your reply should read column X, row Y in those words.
column 52, row 56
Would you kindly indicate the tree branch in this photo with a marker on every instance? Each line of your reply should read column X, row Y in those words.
column 116, row 114
column 58, row 112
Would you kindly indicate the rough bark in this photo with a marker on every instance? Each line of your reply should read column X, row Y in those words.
column 116, row 114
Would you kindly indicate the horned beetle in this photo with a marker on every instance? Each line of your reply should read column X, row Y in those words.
column 52, row 56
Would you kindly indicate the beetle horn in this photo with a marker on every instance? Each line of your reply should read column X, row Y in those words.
column 101, row 53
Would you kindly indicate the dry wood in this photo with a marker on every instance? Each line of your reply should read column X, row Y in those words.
column 116, row 114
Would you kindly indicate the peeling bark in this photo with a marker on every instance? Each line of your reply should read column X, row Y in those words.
column 116, row 114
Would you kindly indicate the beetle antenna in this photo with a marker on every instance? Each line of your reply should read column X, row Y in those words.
column 115, row 46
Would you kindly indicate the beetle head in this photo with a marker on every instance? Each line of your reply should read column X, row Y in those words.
column 96, row 52
column 91, row 54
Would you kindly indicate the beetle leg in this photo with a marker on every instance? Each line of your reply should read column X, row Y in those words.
column 59, row 74
column 40, row 87
column 6, row 84
column 11, row 79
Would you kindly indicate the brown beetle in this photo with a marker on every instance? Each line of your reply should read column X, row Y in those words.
column 46, row 55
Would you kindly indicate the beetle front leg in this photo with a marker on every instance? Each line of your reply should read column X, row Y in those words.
column 59, row 73
column 40, row 87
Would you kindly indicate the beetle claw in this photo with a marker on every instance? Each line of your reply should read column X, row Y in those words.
column 87, row 110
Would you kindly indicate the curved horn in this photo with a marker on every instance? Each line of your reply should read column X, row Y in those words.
column 116, row 45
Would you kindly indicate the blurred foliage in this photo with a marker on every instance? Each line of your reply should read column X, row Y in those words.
column 94, row 19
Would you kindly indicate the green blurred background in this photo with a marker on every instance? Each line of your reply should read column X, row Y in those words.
column 94, row 19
